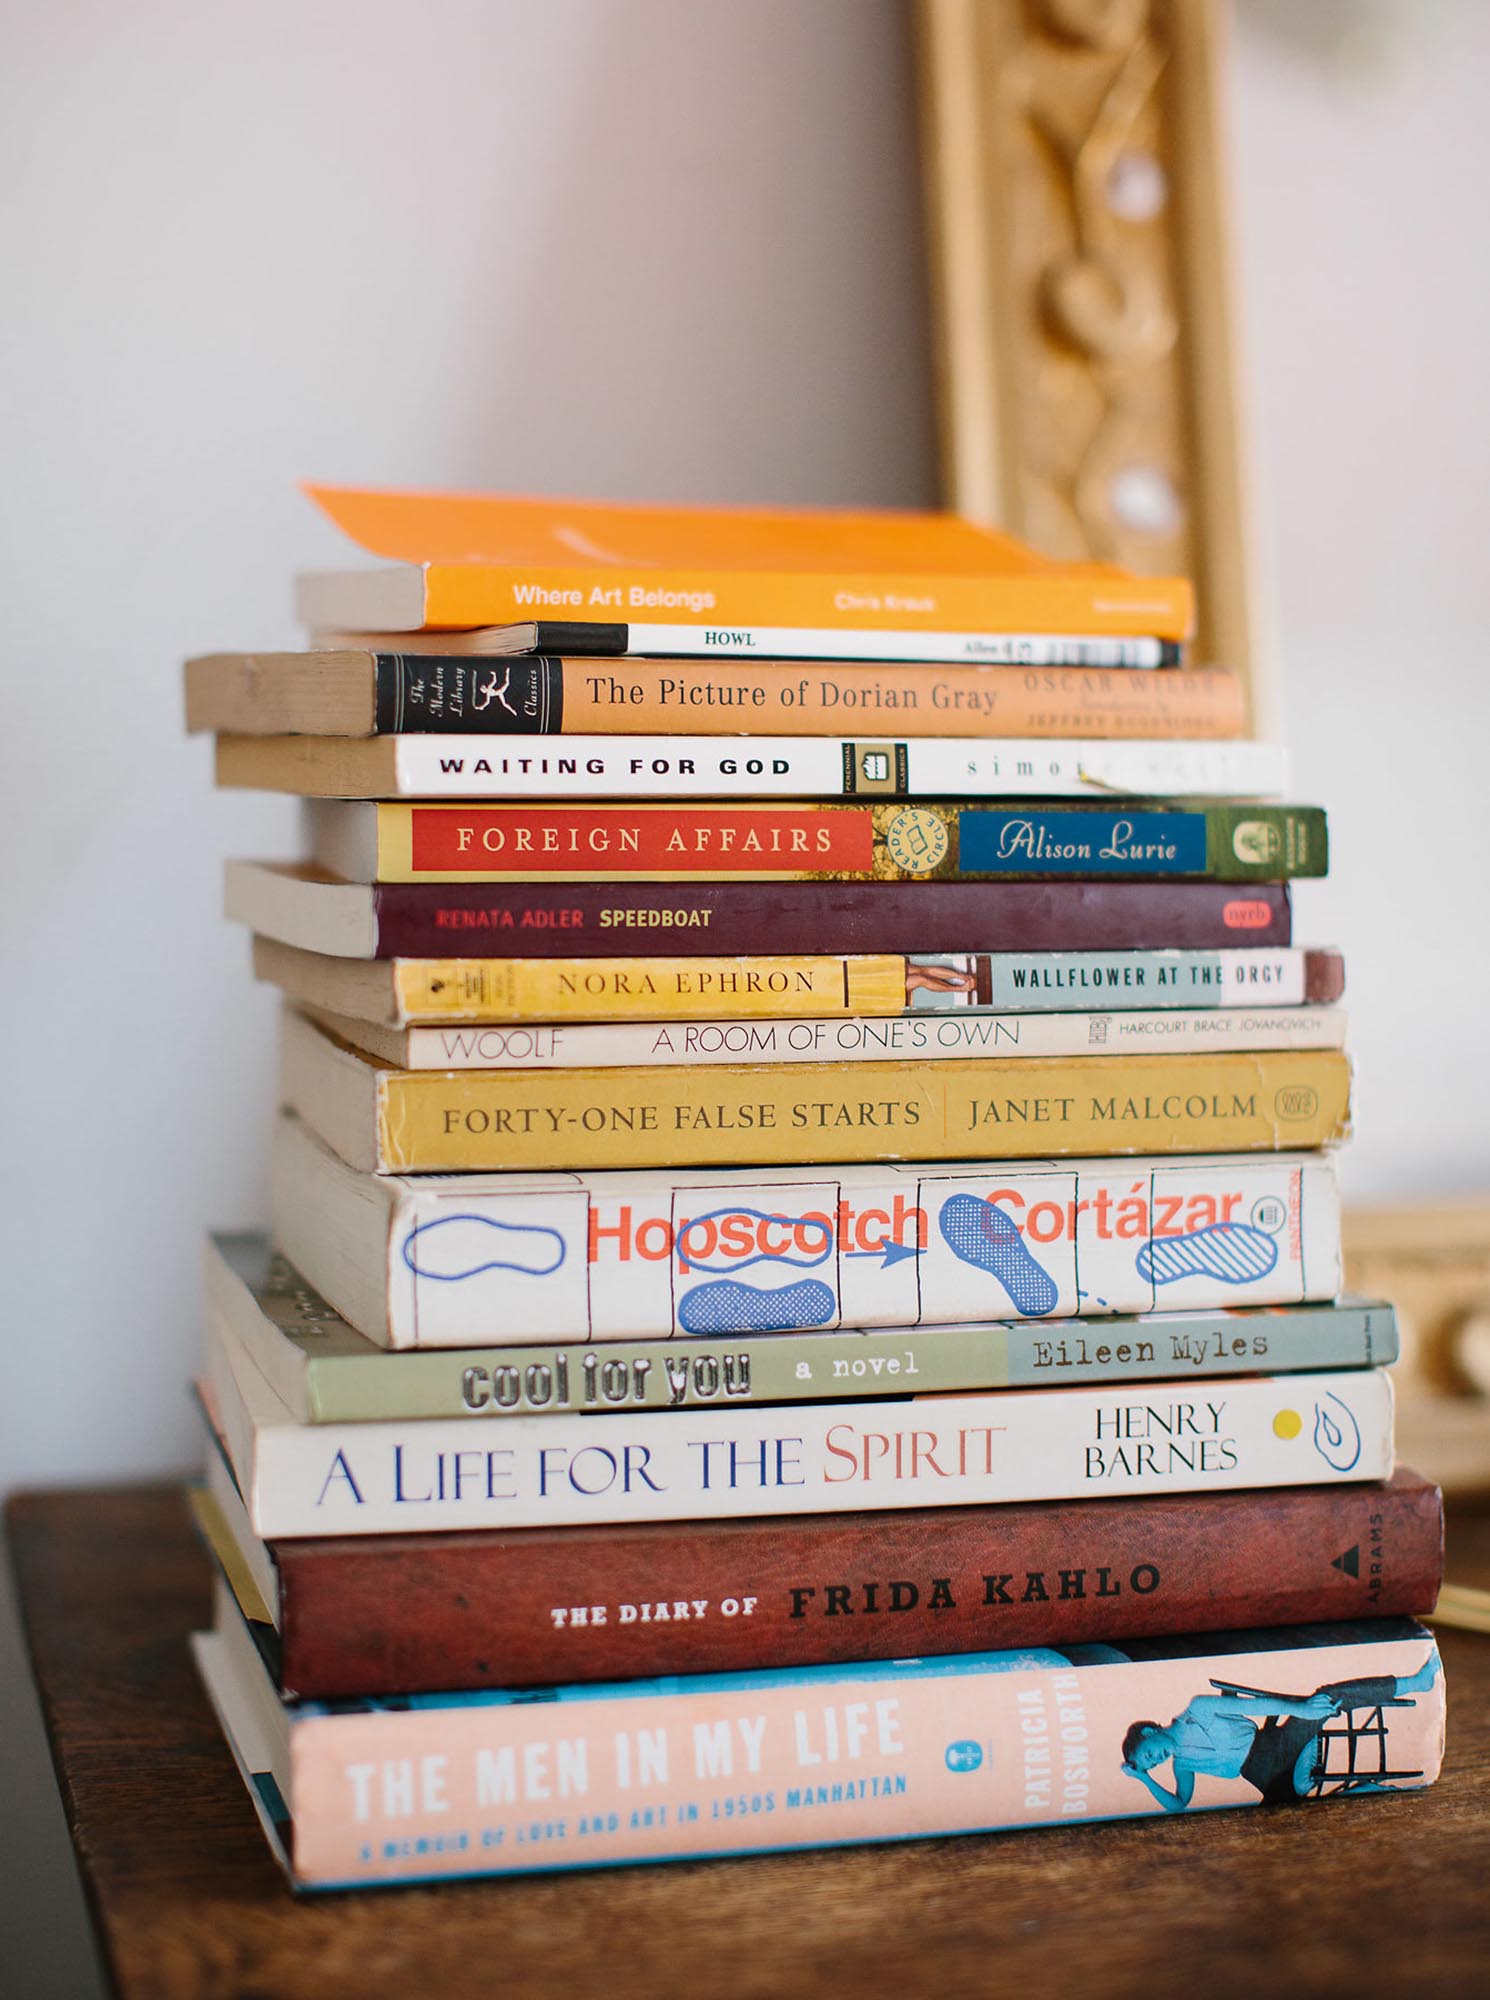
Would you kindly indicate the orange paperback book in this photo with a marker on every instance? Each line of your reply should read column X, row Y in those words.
column 471, row 560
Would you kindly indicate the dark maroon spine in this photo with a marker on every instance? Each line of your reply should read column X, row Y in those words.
column 424, row 1613
column 641, row 919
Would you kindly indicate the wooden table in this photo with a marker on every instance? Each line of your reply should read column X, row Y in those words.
column 1380, row 1896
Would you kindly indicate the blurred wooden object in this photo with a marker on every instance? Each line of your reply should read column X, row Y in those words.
column 1433, row 1262
column 1074, row 178
column 1080, row 287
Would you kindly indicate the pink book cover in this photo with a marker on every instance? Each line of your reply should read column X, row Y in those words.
column 492, row 1783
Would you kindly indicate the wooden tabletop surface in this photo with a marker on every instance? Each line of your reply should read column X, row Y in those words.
column 1375, row 1897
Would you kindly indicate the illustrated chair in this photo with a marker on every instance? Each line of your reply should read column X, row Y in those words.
column 1351, row 1745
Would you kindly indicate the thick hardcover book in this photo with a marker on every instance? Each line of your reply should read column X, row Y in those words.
column 397, row 842
column 357, row 692
column 413, row 1614
column 929, row 1037
column 490, row 1783
column 327, row 1372
column 790, row 767
column 462, row 1260
column 483, row 559
column 420, row 1475
column 745, row 991
column 767, row 646
column 387, row 1120
column 706, row 919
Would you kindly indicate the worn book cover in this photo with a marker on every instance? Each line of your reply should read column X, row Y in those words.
column 397, row 842
column 548, row 992
column 952, row 1037
column 773, row 645
column 751, row 769
column 694, row 1765
column 487, row 559
column 355, row 691
column 451, row 1260
column 327, row 1372
column 360, row 1615
column 589, row 919
column 420, row 1476
column 431, row 1121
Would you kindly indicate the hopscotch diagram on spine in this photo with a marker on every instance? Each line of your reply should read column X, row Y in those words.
column 899, row 1246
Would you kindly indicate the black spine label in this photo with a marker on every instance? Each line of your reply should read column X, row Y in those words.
column 439, row 694
column 550, row 636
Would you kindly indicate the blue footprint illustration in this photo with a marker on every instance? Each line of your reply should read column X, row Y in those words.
column 817, row 1232
column 981, row 1234
column 1233, row 1252
column 463, row 1246
column 725, row 1306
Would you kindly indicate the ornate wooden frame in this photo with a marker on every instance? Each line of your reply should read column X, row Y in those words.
column 1080, row 298
column 1086, row 396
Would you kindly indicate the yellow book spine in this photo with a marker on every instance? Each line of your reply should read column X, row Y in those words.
column 777, row 1115
column 219, row 1538
column 650, row 989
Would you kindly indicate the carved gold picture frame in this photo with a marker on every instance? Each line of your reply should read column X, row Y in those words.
column 1080, row 297
column 1083, row 353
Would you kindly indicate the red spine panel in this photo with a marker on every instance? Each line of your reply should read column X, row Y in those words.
column 422, row 1613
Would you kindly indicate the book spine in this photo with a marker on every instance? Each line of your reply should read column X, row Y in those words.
column 586, row 919
column 889, row 1751
column 437, row 1474
column 472, row 1264
column 500, row 990
column 803, row 1367
column 848, row 646
column 449, row 695
column 888, row 843
column 374, row 1617
column 539, row 695
column 1052, row 980
column 928, row 1037
column 728, row 603
column 554, row 990
column 763, row 1115
column 806, row 767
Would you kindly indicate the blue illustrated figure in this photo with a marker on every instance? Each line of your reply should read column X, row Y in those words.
column 1272, row 1742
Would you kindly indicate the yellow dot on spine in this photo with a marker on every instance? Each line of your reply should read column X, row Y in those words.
column 1287, row 1424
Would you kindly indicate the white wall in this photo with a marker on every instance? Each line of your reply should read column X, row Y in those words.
column 1360, row 184
column 608, row 246
column 659, row 247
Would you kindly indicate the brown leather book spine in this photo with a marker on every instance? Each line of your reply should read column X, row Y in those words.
column 422, row 1613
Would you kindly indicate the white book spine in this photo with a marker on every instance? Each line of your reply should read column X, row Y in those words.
column 934, row 1451
column 1049, row 980
column 923, row 1036
column 473, row 1262
column 797, row 642
column 714, row 767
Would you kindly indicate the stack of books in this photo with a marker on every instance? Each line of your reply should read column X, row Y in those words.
column 805, row 1246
